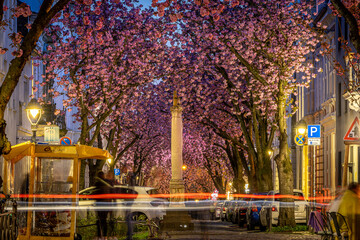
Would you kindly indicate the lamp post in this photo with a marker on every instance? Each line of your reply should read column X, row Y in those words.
column 301, row 127
column 270, row 151
column 33, row 113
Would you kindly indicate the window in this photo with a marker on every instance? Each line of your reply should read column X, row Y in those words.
column 298, row 196
column 346, row 32
column 20, row 113
column 126, row 193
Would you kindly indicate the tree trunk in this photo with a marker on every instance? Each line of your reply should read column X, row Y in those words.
column 5, row 145
column 286, row 214
column 82, row 175
column 218, row 182
column 263, row 175
column 239, row 183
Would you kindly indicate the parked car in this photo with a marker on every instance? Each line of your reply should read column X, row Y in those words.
column 224, row 210
column 234, row 216
column 230, row 210
column 253, row 210
column 241, row 211
column 201, row 209
column 273, row 202
column 140, row 199
column 219, row 209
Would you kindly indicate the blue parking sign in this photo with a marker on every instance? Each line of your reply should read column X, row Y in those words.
column 117, row 172
column 314, row 131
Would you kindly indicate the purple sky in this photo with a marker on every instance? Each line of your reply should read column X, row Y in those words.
column 35, row 4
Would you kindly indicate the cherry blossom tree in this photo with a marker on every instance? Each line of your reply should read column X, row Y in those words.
column 205, row 159
column 147, row 117
column 23, row 46
column 251, row 49
column 101, row 53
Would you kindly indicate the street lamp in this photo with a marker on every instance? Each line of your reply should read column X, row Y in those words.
column 184, row 167
column 33, row 113
column 301, row 127
column 270, row 151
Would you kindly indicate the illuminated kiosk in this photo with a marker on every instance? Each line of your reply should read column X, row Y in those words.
column 45, row 178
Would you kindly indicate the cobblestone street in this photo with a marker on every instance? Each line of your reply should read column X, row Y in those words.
column 226, row 230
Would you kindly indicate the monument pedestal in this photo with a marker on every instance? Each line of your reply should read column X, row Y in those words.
column 177, row 218
column 177, row 193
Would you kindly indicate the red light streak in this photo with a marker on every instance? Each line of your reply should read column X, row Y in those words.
column 187, row 196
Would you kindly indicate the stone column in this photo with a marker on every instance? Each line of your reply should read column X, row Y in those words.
column 177, row 218
column 177, row 187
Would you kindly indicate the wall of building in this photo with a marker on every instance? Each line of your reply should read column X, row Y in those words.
column 317, row 106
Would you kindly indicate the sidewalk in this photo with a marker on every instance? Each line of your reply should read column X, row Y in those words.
column 245, row 236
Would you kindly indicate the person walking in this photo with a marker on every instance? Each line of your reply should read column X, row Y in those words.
column 129, row 200
column 102, row 187
column 349, row 209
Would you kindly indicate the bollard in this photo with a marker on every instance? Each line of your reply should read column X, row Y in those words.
column 308, row 210
column 269, row 218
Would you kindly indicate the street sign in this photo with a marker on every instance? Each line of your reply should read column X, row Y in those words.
column 117, row 172
column 314, row 141
column 353, row 133
column 300, row 139
column 51, row 134
column 65, row 141
column 314, row 131
column 215, row 195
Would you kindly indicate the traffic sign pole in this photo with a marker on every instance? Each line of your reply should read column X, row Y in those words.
column 314, row 135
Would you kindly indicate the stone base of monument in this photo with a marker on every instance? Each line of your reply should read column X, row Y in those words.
column 176, row 220
column 177, row 217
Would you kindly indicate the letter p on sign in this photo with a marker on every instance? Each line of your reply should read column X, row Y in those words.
column 313, row 130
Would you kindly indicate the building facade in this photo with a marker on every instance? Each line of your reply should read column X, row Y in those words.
column 320, row 170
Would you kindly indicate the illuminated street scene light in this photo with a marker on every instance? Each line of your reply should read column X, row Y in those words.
column 33, row 113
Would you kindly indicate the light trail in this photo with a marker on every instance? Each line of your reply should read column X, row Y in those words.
column 194, row 196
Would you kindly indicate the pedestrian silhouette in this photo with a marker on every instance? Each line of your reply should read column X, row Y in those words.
column 102, row 187
column 128, row 201
column 349, row 209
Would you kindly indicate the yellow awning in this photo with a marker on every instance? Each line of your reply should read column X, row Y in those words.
column 19, row 151
column 55, row 151
column 84, row 151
